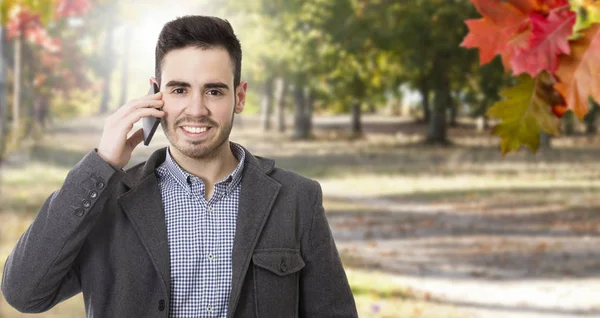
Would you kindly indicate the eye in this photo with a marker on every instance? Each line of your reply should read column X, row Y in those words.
column 179, row 91
column 214, row 92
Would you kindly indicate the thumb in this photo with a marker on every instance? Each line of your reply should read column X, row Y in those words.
column 136, row 138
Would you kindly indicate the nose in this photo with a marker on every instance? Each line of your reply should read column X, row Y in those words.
column 196, row 107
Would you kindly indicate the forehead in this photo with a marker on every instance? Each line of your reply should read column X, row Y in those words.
column 197, row 65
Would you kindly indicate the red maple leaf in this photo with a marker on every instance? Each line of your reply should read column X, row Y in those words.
column 547, row 5
column 539, row 6
column 549, row 39
column 505, row 27
column 500, row 23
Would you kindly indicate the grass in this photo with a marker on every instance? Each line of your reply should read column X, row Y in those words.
column 376, row 295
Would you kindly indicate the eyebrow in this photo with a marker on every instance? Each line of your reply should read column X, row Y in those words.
column 206, row 86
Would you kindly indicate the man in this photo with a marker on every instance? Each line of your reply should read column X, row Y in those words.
column 202, row 229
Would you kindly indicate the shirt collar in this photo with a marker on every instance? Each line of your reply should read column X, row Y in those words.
column 172, row 168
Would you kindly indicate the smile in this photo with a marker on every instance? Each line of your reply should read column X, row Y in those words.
column 195, row 130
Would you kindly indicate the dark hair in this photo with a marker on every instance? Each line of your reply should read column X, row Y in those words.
column 202, row 32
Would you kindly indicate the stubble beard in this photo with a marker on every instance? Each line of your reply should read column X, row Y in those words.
column 195, row 149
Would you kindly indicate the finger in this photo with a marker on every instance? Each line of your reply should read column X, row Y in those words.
column 139, row 114
column 157, row 95
column 136, row 138
column 138, row 104
column 148, row 103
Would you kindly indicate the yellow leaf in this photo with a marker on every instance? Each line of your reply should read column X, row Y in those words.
column 525, row 112
column 588, row 13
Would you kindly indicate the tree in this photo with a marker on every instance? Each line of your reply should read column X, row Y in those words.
column 590, row 119
column 32, row 29
column 433, row 61
column 3, row 103
column 280, row 94
column 109, row 56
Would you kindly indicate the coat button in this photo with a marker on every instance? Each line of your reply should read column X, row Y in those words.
column 99, row 184
column 86, row 203
column 79, row 212
column 283, row 267
column 93, row 194
column 161, row 305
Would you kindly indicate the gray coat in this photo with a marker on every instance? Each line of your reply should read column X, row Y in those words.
column 103, row 233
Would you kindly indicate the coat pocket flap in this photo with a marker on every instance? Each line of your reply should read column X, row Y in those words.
column 280, row 262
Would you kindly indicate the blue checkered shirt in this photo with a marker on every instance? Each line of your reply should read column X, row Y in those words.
column 200, row 237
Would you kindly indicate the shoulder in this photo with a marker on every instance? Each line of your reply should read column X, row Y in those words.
column 303, row 187
column 290, row 178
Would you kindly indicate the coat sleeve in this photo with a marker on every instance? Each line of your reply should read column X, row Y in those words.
column 41, row 270
column 324, row 287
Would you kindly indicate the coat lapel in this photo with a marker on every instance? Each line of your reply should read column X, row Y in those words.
column 256, row 200
column 143, row 205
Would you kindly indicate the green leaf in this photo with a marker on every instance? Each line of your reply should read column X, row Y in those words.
column 525, row 112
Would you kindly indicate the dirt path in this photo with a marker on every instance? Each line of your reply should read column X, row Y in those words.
column 490, row 265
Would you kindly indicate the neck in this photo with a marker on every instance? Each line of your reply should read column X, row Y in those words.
column 211, row 169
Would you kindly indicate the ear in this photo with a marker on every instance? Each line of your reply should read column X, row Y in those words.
column 152, row 80
column 241, row 97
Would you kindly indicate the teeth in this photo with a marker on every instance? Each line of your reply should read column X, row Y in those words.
column 195, row 130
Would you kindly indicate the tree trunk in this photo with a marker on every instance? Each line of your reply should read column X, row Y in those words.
column 371, row 108
column 280, row 94
column 424, row 90
column 569, row 122
column 590, row 119
column 3, row 104
column 108, row 66
column 453, row 111
column 545, row 141
column 301, row 130
column 308, row 110
column 125, row 67
column 266, row 103
column 18, row 83
column 437, row 124
column 356, row 119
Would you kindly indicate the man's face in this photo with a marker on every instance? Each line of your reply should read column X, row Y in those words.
column 200, row 100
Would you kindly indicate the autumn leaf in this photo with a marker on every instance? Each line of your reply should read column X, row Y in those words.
column 525, row 112
column 506, row 28
column 500, row 22
column 540, row 6
column 526, row 5
column 559, row 110
column 577, row 73
column 589, row 13
column 549, row 39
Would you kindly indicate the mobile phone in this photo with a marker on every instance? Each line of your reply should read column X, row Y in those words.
column 150, row 123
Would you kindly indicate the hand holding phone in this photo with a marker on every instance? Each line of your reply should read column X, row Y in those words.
column 150, row 123
column 115, row 145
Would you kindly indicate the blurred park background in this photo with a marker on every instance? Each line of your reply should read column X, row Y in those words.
column 375, row 100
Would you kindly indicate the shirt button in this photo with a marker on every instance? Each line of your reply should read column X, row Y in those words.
column 211, row 257
column 209, row 209
column 161, row 305
column 209, row 309
column 79, row 212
